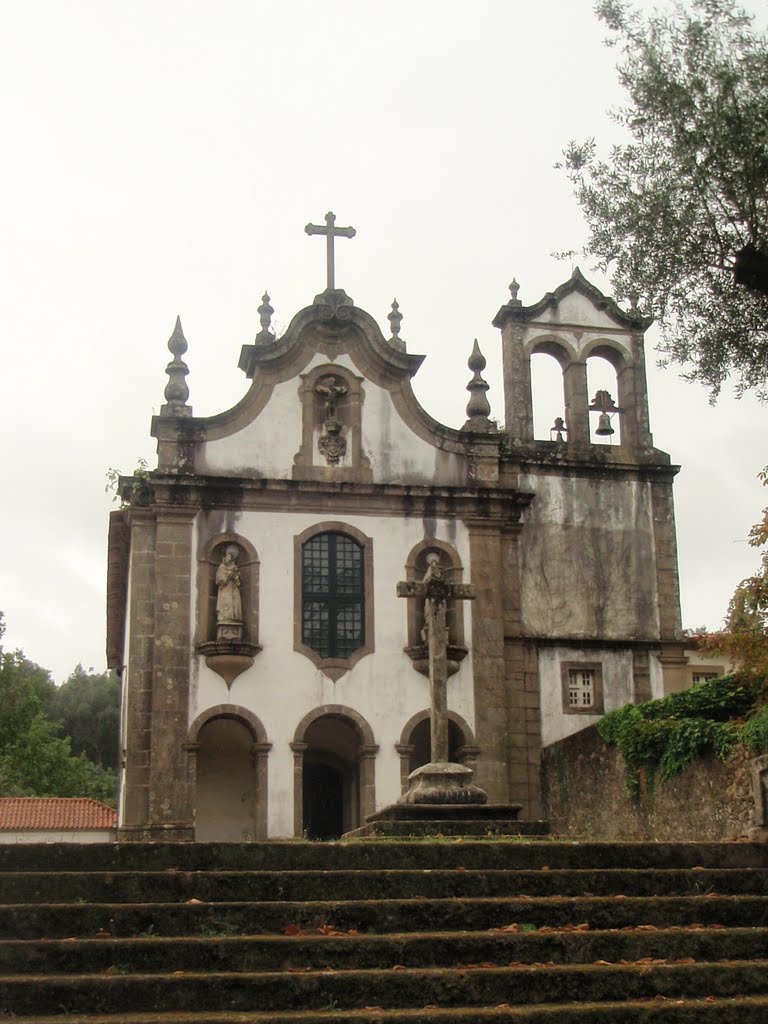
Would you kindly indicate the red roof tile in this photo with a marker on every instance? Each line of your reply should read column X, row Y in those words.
column 54, row 813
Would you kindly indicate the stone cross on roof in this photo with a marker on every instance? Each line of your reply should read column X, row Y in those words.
column 330, row 231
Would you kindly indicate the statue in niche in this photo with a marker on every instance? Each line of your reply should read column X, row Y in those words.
column 332, row 443
column 229, row 604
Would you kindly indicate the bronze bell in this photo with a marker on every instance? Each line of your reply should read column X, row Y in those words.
column 604, row 428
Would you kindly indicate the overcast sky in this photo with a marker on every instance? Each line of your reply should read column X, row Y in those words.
column 163, row 157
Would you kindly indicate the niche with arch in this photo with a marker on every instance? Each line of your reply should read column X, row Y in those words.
column 229, row 748
column 417, row 647
column 228, row 605
column 331, row 427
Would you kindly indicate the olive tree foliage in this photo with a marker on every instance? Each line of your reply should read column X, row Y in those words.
column 678, row 215
column 745, row 637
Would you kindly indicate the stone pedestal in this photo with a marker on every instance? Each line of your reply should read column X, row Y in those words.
column 442, row 782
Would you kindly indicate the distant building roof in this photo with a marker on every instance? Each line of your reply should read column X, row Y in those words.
column 29, row 813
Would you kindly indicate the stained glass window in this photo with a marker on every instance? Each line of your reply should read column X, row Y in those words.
column 333, row 595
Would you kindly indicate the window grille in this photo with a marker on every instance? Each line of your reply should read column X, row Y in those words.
column 581, row 688
column 333, row 595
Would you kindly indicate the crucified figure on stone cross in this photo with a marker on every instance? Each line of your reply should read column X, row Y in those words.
column 440, row 781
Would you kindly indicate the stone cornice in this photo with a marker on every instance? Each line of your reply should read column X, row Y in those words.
column 186, row 493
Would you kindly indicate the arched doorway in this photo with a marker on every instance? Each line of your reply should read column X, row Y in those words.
column 333, row 773
column 230, row 771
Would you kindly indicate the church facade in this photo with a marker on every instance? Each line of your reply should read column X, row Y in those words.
column 273, row 682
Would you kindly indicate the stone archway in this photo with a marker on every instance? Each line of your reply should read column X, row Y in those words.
column 414, row 745
column 334, row 784
column 229, row 749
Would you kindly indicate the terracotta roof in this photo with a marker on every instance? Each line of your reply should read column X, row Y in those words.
column 54, row 813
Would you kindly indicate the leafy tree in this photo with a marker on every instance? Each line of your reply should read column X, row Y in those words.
column 34, row 760
column 745, row 637
column 679, row 214
column 87, row 706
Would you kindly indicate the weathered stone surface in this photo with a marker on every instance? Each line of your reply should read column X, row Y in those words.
column 585, row 795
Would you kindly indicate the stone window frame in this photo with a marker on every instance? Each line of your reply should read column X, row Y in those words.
column 597, row 707
column 206, row 587
column 334, row 668
column 415, row 648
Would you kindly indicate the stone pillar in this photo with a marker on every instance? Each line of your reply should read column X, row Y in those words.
column 522, row 686
column 518, row 401
column 137, row 677
column 170, row 799
column 576, row 404
column 366, row 767
column 261, row 753
column 299, row 750
column 492, row 723
column 665, row 542
column 633, row 399
column 641, row 675
column 404, row 750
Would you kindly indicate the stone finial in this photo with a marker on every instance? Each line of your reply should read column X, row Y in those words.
column 395, row 318
column 265, row 319
column 514, row 288
column 176, row 390
column 478, row 407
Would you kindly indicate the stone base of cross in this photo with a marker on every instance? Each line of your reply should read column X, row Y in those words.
column 441, row 781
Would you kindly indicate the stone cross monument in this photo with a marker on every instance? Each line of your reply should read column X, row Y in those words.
column 441, row 781
column 330, row 231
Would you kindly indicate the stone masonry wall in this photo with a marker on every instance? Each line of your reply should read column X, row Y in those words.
column 585, row 795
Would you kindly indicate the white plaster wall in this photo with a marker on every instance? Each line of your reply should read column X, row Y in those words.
column 266, row 447
column 283, row 686
column 617, row 688
column 102, row 835
column 576, row 308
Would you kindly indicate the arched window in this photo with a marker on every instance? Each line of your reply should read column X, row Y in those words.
column 333, row 595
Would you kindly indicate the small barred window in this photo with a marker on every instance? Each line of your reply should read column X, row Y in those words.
column 581, row 688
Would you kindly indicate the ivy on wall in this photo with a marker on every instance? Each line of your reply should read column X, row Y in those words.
column 661, row 737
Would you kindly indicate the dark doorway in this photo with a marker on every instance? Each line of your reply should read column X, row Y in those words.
column 323, row 800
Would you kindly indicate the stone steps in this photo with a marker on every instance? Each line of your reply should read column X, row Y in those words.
column 448, row 931
column 744, row 1010
column 248, row 886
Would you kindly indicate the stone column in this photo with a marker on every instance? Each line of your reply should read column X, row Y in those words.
column 299, row 750
column 404, row 750
column 261, row 752
column 170, row 799
column 137, row 677
column 633, row 398
column 518, row 401
column 492, row 723
column 366, row 766
column 641, row 675
column 576, row 404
